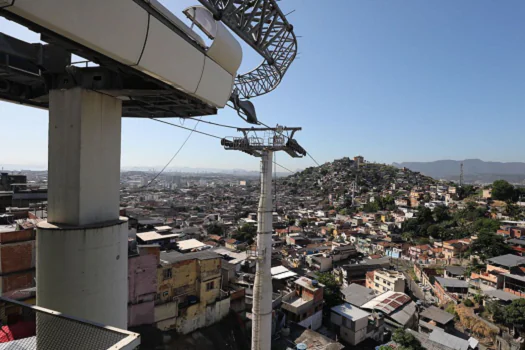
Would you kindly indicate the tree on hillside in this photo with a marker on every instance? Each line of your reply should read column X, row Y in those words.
column 441, row 213
column 303, row 223
column 332, row 293
column 424, row 216
column 371, row 207
column 406, row 340
column 436, row 231
column 245, row 233
column 471, row 212
column 465, row 191
column 215, row 229
column 489, row 245
column 512, row 210
column 486, row 225
column 515, row 314
column 502, row 190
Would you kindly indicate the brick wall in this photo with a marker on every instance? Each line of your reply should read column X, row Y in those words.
column 17, row 257
column 17, row 281
column 17, row 236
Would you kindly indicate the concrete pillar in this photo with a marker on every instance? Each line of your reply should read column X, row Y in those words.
column 262, row 289
column 82, row 249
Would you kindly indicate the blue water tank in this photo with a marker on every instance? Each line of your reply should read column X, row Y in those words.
column 301, row 346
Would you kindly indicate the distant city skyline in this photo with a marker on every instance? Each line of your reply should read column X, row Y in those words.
column 393, row 81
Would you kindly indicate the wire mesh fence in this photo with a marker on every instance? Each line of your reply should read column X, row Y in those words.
column 29, row 327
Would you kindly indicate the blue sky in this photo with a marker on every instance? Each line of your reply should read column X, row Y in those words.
column 403, row 80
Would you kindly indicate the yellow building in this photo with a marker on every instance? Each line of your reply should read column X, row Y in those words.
column 189, row 293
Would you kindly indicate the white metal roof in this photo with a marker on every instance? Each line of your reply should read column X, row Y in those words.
column 284, row 275
column 238, row 257
column 153, row 236
column 278, row 269
column 349, row 311
column 149, row 236
column 190, row 244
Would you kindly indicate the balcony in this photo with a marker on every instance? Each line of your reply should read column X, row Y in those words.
column 31, row 327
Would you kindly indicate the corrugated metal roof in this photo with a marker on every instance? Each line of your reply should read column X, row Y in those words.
column 437, row 315
column 439, row 336
column 501, row 294
column 451, row 282
column 508, row 260
column 387, row 302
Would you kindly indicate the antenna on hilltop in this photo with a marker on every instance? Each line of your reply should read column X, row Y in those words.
column 461, row 175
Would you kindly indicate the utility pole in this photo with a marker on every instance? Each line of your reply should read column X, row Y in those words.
column 264, row 147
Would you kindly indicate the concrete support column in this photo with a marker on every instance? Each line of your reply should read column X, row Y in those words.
column 82, row 249
column 262, row 289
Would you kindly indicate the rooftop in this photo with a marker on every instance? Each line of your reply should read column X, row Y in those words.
column 154, row 236
column 387, row 302
column 439, row 336
column 436, row 314
column 281, row 272
column 517, row 241
column 390, row 273
column 508, row 260
column 237, row 257
column 175, row 257
column 307, row 283
column 516, row 277
column 190, row 244
column 455, row 270
column 350, row 312
column 358, row 295
column 501, row 294
column 451, row 282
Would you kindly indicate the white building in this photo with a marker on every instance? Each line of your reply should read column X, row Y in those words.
column 386, row 280
column 355, row 325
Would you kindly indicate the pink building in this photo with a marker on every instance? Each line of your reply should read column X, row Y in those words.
column 142, row 285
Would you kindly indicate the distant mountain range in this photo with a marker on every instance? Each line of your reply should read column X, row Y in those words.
column 474, row 170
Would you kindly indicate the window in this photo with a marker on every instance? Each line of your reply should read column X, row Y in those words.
column 166, row 274
column 377, row 284
column 210, row 285
column 165, row 294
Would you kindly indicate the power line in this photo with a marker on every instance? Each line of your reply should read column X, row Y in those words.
column 206, row 134
column 176, row 153
column 183, row 127
column 192, row 131
column 283, row 167
column 217, row 124
column 309, row 155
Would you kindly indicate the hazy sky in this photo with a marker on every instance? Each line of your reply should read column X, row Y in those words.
column 403, row 80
